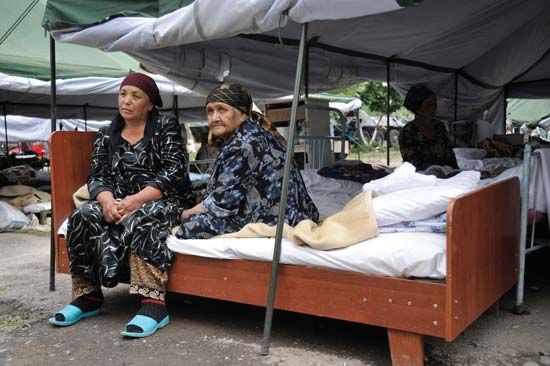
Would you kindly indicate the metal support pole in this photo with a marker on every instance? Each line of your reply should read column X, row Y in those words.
column 53, row 112
column 388, row 143
column 6, row 127
column 284, row 193
column 523, row 228
column 176, row 109
column 456, row 96
column 86, row 117
column 505, row 106
column 306, row 71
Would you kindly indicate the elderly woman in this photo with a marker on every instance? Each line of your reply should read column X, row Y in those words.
column 138, row 187
column 424, row 141
column 245, row 186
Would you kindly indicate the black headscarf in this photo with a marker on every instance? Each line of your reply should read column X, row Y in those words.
column 416, row 95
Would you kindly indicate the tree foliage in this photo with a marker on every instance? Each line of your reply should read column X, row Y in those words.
column 374, row 97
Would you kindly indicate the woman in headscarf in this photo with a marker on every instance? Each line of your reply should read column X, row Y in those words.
column 138, row 185
column 424, row 141
column 245, row 186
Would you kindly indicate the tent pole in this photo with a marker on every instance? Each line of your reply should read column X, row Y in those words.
column 306, row 71
column 86, row 117
column 456, row 96
column 388, row 143
column 176, row 109
column 6, row 128
column 53, row 111
column 505, row 106
column 284, row 193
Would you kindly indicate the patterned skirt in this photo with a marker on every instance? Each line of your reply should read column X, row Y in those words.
column 99, row 251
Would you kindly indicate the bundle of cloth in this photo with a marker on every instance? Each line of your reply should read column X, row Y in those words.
column 482, row 160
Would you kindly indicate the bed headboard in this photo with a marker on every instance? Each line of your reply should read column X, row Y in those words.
column 482, row 225
column 70, row 155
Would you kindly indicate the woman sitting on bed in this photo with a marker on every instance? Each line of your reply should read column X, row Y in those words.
column 424, row 141
column 245, row 186
column 138, row 186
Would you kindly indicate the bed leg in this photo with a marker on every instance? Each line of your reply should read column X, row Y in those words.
column 406, row 348
column 495, row 308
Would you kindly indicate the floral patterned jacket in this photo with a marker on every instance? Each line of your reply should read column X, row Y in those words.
column 422, row 151
column 245, row 185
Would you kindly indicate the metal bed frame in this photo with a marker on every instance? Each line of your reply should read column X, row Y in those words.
column 530, row 159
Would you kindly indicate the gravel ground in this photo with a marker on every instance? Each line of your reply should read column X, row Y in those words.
column 208, row 332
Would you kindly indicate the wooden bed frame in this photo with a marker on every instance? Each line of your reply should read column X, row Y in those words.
column 482, row 259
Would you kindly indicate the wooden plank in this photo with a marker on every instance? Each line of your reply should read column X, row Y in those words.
column 416, row 306
column 482, row 251
column 283, row 115
column 407, row 349
column 62, row 256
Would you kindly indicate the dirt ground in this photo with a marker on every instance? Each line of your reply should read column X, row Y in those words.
column 208, row 332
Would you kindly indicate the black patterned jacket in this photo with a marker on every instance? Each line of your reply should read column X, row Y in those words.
column 157, row 160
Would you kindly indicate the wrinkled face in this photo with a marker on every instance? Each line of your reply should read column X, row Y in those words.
column 428, row 106
column 223, row 119
column 133, row 103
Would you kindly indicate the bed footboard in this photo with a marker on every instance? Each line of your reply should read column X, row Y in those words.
column 482, row 251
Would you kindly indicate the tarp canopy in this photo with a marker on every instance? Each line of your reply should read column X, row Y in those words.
column 93, row 98
column 21, row 128
column 528, row 110
column 88, row 78
column 25, row 48
column 488, row 45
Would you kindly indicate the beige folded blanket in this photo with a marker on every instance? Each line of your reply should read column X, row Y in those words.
column 355, row 223
column 81, row 196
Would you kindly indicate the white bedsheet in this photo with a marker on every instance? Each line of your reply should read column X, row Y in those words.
column 392, row 254
column 416, row 254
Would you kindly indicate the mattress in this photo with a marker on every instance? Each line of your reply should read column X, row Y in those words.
column 416, row 254
column 389, row 254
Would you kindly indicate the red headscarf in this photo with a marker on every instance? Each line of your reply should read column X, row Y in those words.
column 145, row 83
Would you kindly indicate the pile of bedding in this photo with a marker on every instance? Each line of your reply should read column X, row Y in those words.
column 476, row 159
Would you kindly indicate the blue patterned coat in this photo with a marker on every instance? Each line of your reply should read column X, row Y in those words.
column 245, row 186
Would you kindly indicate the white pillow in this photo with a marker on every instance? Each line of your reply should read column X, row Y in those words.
column 422, row 203
column 403, row 177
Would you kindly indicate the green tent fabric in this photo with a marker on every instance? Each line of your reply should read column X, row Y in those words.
column 25, row 48
column 528, row 110
column 63, row 13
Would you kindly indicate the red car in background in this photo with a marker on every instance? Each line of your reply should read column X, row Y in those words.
column 28, row 148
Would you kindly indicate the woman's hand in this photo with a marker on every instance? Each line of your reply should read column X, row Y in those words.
column 128, row 205
column 195, row 210
column 109, row 206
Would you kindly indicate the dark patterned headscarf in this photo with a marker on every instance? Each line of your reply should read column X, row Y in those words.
column 416, row 95
column 239, row 98
column 233, row 94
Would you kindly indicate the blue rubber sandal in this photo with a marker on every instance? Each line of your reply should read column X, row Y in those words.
column 72, row 315
column 147, row 324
